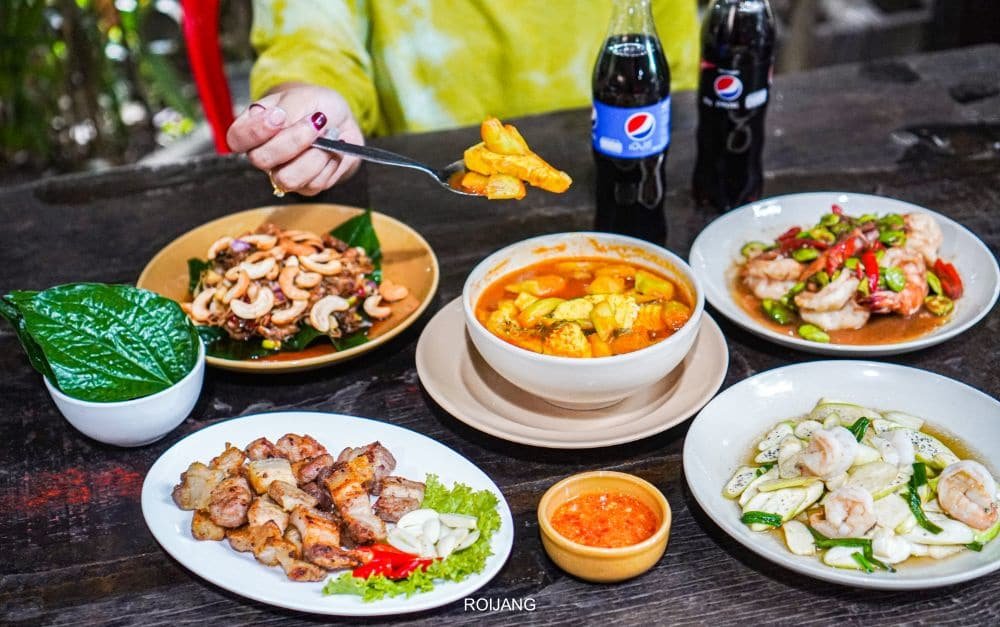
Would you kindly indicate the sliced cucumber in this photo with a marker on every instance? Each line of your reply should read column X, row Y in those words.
column 891, row 511
column 798, row 539
column 866, row 455
column 788, row 456
column 909, row 524
column 769, row 456
column 841, row 557
column 919, row 550
column 904, row 419
column 952, row 532
column 740, row 481
column 873, row 477
column 775, row 436
column 941, row 552
column 751, row 490
column 985, row 536
column 931, row 451
column 846, row 413
column 902, row 478
column 806, row 428
column 813, row 492
column 881, row 426
column 791, row 482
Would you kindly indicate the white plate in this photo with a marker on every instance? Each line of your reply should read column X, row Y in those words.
column 717, row 249
column 461, row 382
column 724, row 432
column 416, row 456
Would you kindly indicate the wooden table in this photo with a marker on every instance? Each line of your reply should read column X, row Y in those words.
column 75, row 548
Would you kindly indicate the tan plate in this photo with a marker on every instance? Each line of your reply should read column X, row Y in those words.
column 463, row 384
column 406, row 259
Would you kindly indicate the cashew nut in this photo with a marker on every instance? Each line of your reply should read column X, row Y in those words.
column 261, row 241
column 308, row 279
column 233, row 273
column 296, row 248
column 199, row 307
column 372, row 308
column 321, row 314
column 211, row 278
column 392, row 292
column 302, row 237
column 278, row 252
column 292, row 261
column 253, row 310
column 260, row 269
column 309, row 262
column 289, row 314
column 273, row 273
column 287, row 282
column 218, row 245
column 239, row 289
column 253, row 290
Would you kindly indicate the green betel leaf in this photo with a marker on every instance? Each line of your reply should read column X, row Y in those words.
column 109, row 343
column 196, row 267
column 359, row 231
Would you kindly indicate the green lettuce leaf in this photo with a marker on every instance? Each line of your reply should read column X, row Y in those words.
column 106, row 343
column 460, row 499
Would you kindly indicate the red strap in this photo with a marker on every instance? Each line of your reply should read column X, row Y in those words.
column 201, row 36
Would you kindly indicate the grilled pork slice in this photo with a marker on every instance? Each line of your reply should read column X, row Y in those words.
column 262, row 472
column 308, row 470
column 264, row 510
column 261, row 448
column 318, row 492
column 230, row 460
column 295, row 448
column 321, row 540
column 288, row 496
column 202, row 527
column 229, row 502
column 252, row 538
column 195, row 488
column 347, row 484
column 399, row 496
column 381, row 460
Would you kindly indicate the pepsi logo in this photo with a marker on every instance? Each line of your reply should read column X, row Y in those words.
column 728, row 87
column 639, row 126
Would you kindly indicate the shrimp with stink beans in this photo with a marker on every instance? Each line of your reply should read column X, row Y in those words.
column 923, row 235
column 968, row 493
column 830, row 452
column 769, row 277
column 908, row 300
column 848, row 512
column 832, row 297
column 850, row 316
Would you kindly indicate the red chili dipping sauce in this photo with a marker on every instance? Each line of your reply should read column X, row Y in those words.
column 605, row 519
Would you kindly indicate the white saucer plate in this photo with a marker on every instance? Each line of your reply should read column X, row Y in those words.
column 461, row 382
column 416, row 456
column 725, row 431
column 716, row 251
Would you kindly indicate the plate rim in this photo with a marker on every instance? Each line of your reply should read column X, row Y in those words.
column 837, row 576
column 708, row 323
column 463, row 589
column 849, row 350
column 255, row 366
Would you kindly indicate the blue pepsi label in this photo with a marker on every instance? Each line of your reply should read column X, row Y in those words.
column 633, row 132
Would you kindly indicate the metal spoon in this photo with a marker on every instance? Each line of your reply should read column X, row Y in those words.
column 369, row 153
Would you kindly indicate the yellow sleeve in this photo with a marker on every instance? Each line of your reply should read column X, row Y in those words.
column 321, row 43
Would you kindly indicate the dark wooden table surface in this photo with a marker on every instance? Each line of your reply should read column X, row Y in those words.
column 925, row 129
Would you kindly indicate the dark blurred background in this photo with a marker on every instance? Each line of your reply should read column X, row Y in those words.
column 86, row 84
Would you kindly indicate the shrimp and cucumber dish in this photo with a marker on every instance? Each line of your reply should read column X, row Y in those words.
column 869, row 279
column 865, row 489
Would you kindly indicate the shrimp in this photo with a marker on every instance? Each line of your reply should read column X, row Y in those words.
column 850, row 316
column 923, row 235
column 911, row 297
column 771, row 278
column 848, row 512
column 967, row 493
column 896, row 448
column 830, row 452
column 832, row 297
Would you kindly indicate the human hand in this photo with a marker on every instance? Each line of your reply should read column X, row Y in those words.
column 277, row 131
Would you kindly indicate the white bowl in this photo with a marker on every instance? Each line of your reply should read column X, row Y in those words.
column 570, row 382
column 139, row 421
column 727, row 428
column 717, row 249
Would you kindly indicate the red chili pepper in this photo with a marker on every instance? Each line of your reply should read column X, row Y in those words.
column 951, row 283
column 838, row 254
column 837, row 210
column 790, row 233
column 795, row 243
column 870, row 262
column 374, row 567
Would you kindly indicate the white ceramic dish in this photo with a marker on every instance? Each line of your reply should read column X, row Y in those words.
column 726, row 429
column 416, row 456
column 457, row 378
column 717, row 249
column 139, row 421
column 570, row 382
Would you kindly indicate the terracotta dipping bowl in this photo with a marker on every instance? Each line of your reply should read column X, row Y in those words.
column 598, row 564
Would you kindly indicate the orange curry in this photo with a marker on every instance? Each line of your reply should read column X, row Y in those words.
column 583, row 307
column 605, row 519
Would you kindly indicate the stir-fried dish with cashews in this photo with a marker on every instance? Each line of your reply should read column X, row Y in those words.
column 865, row 489
column 271, row 285
column 836, row 276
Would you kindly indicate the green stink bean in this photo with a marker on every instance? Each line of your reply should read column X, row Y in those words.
column 939, row 305
column 805, row 254
column 776, row 311
column 813, row 333
column 894, row 278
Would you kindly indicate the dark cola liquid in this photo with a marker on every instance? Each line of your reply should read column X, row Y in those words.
column 738, row 50
column 632, row 71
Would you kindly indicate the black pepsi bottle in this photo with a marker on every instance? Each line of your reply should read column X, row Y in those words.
column 631, row 125
column 737, row 54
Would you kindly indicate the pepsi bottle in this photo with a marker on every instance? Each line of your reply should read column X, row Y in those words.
column 737, row 55
column 631, row 125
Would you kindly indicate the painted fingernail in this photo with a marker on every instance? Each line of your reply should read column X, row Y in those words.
column 256, row 109
column 276, row 117
column 318, row 120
